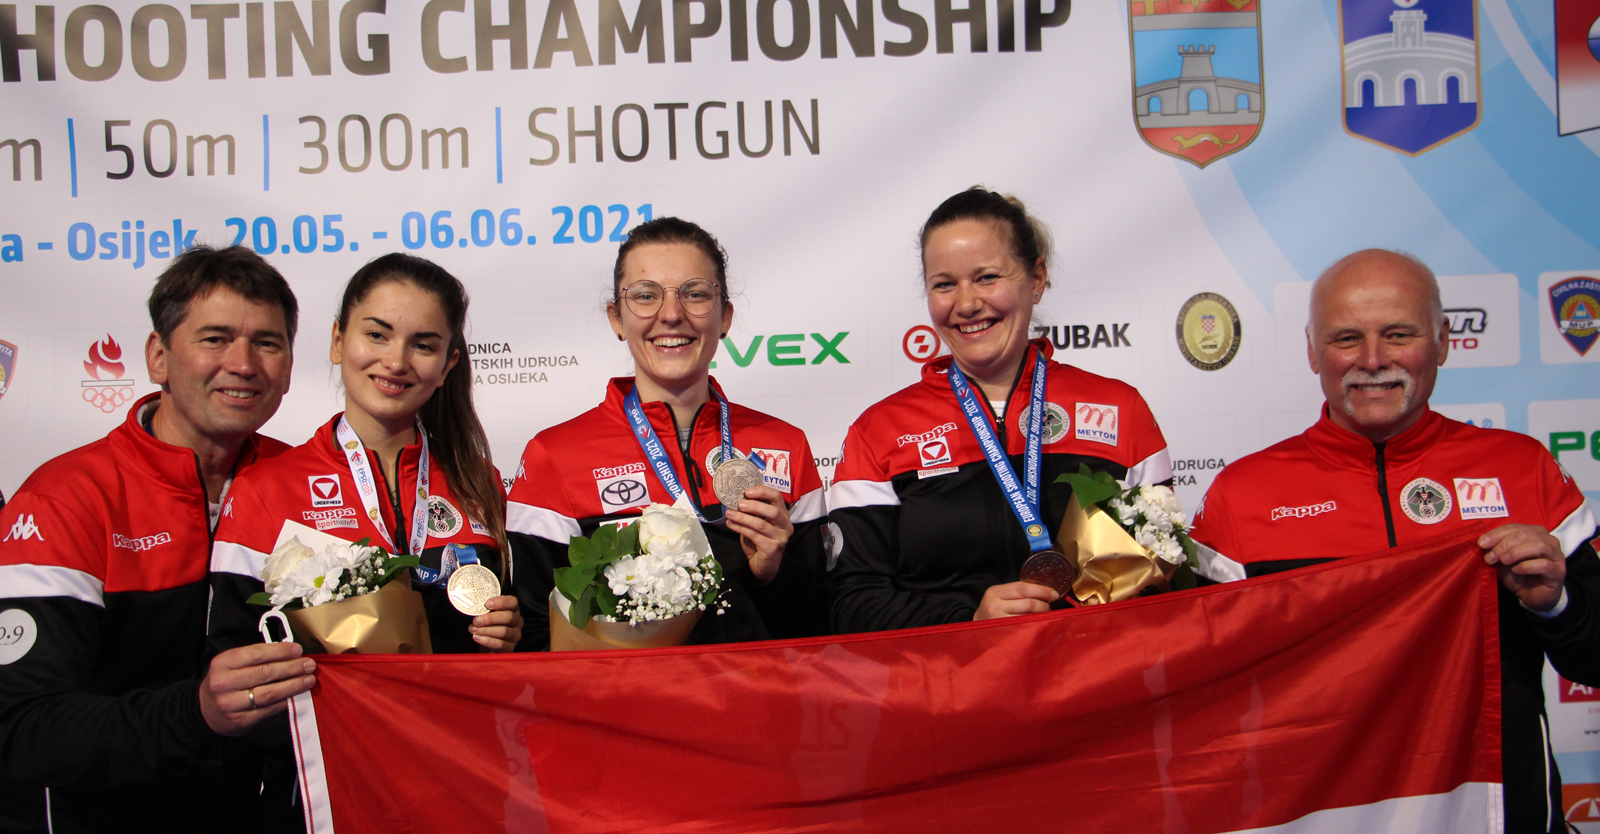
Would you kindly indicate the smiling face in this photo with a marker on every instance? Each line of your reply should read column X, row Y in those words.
column 980, row 298
column 1375, row 339
column 672, row 350
column 394, row 352
column 223, row 370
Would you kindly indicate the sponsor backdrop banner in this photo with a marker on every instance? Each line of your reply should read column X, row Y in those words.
column 1198, row 160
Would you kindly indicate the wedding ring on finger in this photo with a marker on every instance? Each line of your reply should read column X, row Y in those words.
column 251, row 694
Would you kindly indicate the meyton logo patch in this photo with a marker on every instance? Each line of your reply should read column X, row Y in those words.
column 934, row 452
column 622, row 487
column 1481, row 498
column 325, row 491
column 777, row 474
column 1425, row 501
column 1097, row 422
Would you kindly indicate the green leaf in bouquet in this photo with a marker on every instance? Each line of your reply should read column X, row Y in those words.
column 627, row 542
column 262, row 598
column 572, row 581
column 392, row 568
column 1091, row 488
column 1183, row 579
column 606, row 599
column 582, row 607
column 1190, row 550
column 577, row 550
column 603, row 542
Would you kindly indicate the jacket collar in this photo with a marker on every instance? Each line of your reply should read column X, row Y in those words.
column 658, row 413
column 169, row 464
column 937, row 371
column 1346, row 449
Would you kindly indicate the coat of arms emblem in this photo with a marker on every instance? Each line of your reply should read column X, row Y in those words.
column 1411, row 79
column 1197, row 91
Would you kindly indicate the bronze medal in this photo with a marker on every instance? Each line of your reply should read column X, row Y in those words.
column 1051, row 569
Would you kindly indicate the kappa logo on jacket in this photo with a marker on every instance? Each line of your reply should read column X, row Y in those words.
column 1481, row 498
column 622, row 487
column 1303, row 512
column 23, row 529
column 1097, row 422
column 931, row 434
column 140, row 543
column 325, row 491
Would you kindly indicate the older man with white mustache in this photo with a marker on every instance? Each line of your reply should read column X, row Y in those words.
column 1380, row 469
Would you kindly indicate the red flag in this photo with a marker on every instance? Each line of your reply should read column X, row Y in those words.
column 1362, row 694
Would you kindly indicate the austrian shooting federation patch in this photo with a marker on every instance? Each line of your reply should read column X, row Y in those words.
column 1425, row 501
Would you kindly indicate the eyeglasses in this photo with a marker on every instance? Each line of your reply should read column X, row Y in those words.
column 697, row 297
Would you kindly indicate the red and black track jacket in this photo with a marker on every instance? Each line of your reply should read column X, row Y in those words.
column 103, row 559
column 295, row 486
column 1329, row 493
column 590, row 470
column 923, row 527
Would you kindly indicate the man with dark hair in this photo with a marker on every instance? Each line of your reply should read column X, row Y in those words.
column 106, row 722
column 1380, row 470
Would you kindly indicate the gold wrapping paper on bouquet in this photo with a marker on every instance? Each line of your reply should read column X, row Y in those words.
column 598, row 634
column 389, row 620
column 1111, row 565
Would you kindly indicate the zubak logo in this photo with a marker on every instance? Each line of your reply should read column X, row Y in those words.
column 1084, row 337
column 786, row 349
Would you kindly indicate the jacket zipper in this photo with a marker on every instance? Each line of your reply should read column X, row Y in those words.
column 205, row 500
column 688, row 459
column 401, row 530
column 1383, row 493
column 1003, row 420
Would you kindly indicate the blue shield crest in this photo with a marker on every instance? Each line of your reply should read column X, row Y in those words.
column 1411, row 80
column 1575, row 303
column 1197, row 76
column 8, row 365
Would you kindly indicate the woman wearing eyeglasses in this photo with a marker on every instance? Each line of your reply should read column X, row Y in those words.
column 670, row 305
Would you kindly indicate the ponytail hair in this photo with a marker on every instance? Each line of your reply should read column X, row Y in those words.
column 1030, row 239
column 456, row 438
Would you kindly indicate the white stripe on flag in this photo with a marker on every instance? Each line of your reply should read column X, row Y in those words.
column 308, row 755
column 1473, row 808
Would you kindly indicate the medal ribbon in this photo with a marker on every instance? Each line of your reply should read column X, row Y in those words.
column 453, row 556
column 355, row 453
column 656, row 454
column 1021, row 494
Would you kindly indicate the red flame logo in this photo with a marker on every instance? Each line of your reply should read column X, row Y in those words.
column 103, row 356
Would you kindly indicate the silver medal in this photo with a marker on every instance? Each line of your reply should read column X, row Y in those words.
column 732, row 478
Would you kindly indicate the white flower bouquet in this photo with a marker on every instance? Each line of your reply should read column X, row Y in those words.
column 345, row 597
column 1124, row 541
column 645, row 584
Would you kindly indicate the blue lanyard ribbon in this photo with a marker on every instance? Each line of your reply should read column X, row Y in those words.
column 1022, row 494
column 656, row 454
column 453, row 556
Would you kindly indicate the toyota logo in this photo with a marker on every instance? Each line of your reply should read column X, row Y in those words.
column 623, row 492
